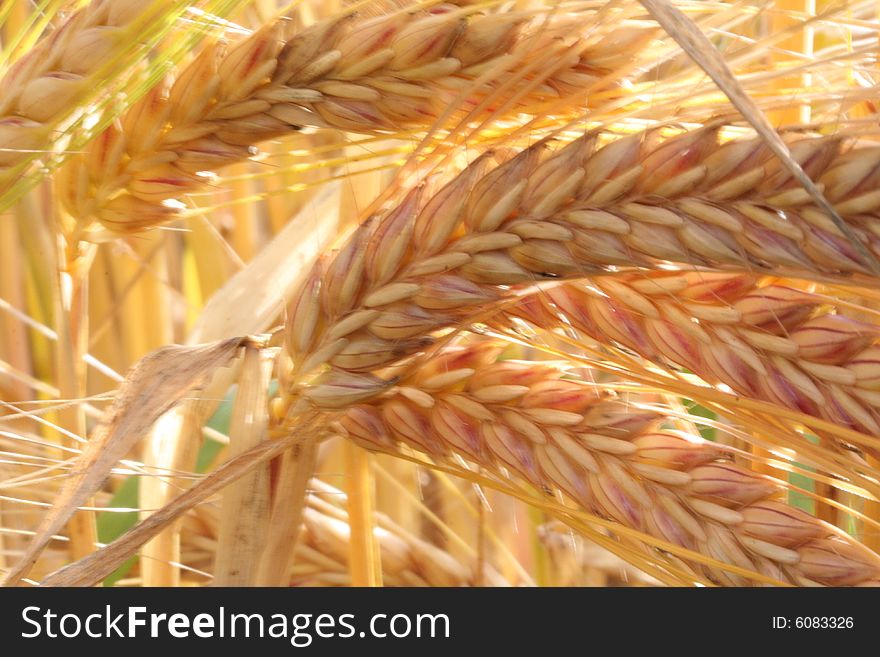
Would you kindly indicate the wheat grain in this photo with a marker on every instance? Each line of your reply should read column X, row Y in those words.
column 761, row 337
column 384, row 74
column 43, row 85
column 669, row 484
column 441, row 257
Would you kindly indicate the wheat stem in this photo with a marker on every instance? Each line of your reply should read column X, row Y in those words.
column 245, row 505
column 364, row 565
column 297, row 467
column 72, row 319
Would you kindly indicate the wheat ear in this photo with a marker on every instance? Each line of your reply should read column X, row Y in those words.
column 441, row 257
column 611, row 458
column 42, row 86
column 322, row 549
column 383, row 74
column 763, row 338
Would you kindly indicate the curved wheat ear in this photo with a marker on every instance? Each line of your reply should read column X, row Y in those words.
column 407, row 560
column 43, row 86
column 763, row 338
column 385, row 74
column 609, row 456
column 440, row 257
column 578, row 561
column 322, row 548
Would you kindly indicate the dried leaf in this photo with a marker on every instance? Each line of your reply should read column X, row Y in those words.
column 155, row 384
column 251, row 299
column 96, row 567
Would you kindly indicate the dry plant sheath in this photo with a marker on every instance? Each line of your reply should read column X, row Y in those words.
column 325, row 537
column 611, row 457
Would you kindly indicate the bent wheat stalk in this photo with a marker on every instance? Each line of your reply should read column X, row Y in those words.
column 384, row 74
column 610, row 457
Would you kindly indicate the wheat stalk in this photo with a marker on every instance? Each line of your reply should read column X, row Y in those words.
column 764, row 338
column 610, row 457
column 385, row 74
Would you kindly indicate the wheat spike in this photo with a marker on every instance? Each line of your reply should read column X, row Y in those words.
column 613, row 459
column 321, row 555
column 42, row 86
column 439, row 257
column 764, row 338
column 385, row 74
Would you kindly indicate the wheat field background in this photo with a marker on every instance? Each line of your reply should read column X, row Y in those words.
column 395, row 293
